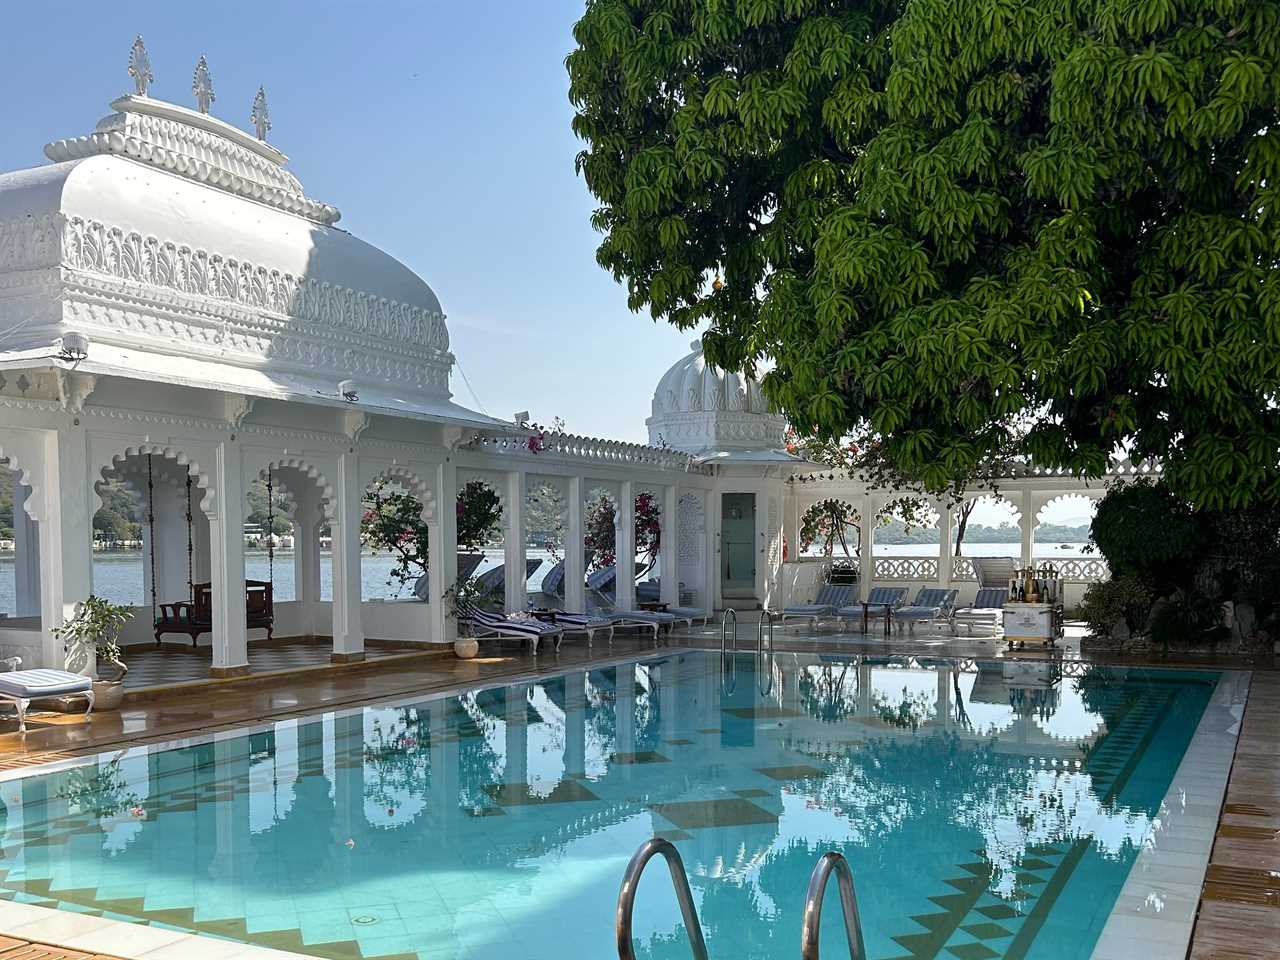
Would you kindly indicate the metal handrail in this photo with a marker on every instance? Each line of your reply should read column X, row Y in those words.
column 729, row 678
column 684, row 896
column 764, row 661
column 828, row 862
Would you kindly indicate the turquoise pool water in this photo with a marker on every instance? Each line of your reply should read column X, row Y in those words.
column 983, row 814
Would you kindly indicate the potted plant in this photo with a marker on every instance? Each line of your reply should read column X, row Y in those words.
column 465, row 593
column 91, row 637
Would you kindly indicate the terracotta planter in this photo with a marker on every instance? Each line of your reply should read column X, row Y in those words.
column 464, row 648
column 107, row 694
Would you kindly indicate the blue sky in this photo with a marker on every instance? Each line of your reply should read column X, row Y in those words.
column 441, row 130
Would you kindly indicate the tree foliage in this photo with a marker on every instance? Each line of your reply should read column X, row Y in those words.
column 1039, row 228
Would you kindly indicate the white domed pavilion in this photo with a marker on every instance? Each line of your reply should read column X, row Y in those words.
column 179, row 317
column 711, row 414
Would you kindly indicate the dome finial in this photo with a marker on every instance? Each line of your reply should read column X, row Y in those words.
column 140, row 67
column 260, row 118
column 696, row 346
column 202, row 86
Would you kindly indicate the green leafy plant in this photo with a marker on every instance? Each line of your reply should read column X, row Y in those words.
column 973, row 231
column 1185, row 618
column 393, row 522
column 100, row 791
column 602, row 535
column 1126, row 599
column 95, row 630
column 466, row 593
column 1144, row 528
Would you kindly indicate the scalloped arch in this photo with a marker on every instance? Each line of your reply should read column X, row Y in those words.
column 412, row 482
column 311, row 471
column 200, row 479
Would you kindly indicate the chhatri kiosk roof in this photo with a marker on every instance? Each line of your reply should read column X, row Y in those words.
column 717, row 416
column 186, row 252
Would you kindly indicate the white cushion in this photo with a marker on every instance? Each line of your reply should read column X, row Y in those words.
column 31, row 684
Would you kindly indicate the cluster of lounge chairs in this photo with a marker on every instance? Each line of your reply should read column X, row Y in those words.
column 836, row 603
column 548, row 621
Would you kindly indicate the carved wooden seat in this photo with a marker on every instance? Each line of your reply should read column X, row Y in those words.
column 194, row 617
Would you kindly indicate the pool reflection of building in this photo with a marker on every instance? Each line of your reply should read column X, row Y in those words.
column 504, row 788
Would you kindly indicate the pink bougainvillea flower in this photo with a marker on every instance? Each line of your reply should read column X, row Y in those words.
column 138, row 812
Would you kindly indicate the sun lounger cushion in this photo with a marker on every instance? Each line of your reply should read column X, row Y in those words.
column 829, row 599
column 34, row 684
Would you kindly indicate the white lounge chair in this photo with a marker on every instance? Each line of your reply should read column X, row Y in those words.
column 23, row 686
column 931, row 603
column 985, row 610
column 830, row 599
column 485, row 625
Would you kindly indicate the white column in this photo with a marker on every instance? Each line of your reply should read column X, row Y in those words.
column 575, row 724
column 868, row 561
column 669, row 552
column 574, row 560
column 516, row 767
column 226, row 549
column 626, row 545
column 625, row 704
column 1027, row 523
column 348, row 630
column 66, row 536
column 790, row 523
column 668, row 698
column 442, row 569
column 26, row 554
column 711, row 515
column 944, row 545
column 514, row 542
column 306, row 559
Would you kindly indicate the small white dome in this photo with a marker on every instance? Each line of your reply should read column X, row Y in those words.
column 701, row 409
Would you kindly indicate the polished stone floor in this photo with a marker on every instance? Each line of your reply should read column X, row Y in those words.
column 168, row 663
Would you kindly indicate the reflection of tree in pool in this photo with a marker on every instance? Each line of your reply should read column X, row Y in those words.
column 602, row 712
column 398, row 759
column 829, row 691
column 911, row 712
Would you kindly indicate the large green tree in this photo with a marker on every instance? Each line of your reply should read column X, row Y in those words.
column 971, row 228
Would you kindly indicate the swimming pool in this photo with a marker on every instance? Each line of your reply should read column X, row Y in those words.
column 986, row 810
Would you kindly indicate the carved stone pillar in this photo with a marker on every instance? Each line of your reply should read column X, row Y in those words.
column 574, row 559
column 348, row 627
column 514, row 542
column 226, row 546
column 626, row 546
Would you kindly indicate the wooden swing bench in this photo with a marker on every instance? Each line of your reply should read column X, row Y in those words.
column 194, row 617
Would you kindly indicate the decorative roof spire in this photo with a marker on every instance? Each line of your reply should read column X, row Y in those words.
column 202, row 86
column 140, row 67
column 260, row 118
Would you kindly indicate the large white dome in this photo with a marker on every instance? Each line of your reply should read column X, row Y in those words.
column 169, row 233
column 700, row 409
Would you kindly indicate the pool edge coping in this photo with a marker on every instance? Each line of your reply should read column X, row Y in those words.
column 1188, row 818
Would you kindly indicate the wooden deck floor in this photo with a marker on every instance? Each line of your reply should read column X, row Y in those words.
column 1239, row 917
column 11, row 949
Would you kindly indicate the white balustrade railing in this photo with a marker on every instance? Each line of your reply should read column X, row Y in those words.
column 962, row 569
column 585, row 449
column 906, row 568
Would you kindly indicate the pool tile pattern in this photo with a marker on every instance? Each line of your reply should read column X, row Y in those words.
column 975, row 924
column 1239, row 915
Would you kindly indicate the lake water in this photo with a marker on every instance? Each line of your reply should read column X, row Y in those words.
column 118, row 576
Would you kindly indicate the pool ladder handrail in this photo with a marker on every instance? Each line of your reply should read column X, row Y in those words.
column 684, row 896
column 729, row 678
column 831, row 862
column 764, row 658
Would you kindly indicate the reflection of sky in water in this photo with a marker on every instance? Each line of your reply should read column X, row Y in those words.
column 403, row 807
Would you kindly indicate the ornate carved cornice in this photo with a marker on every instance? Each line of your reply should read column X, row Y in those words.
column 122, row 281
column 197, row 147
